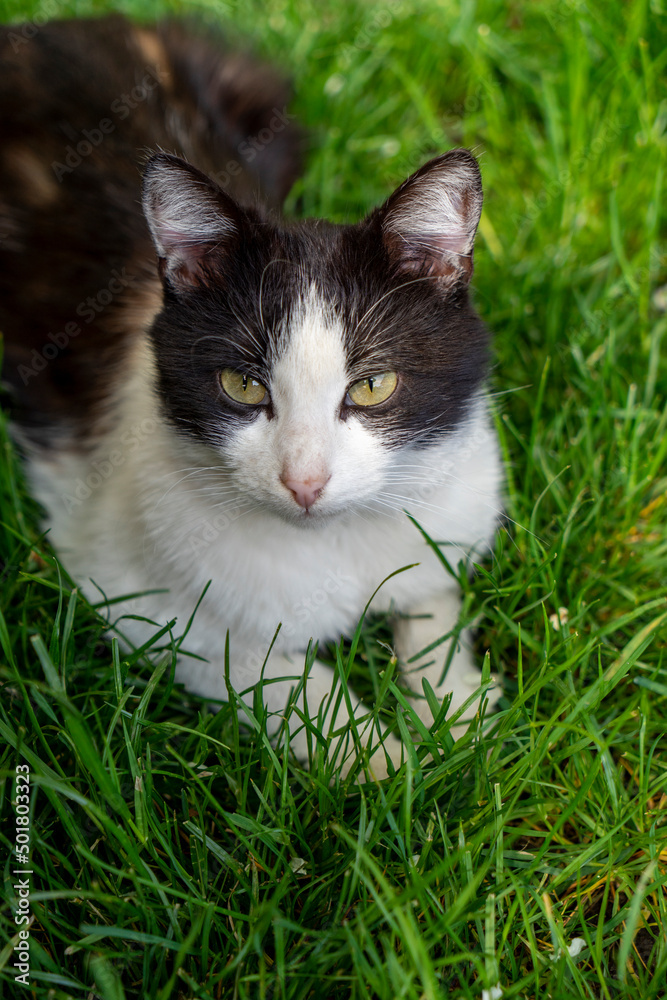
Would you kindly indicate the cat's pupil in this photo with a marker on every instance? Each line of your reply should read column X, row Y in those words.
column 370, row 383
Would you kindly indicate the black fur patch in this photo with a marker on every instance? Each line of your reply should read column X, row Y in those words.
column 82, row 104
column 421, row 326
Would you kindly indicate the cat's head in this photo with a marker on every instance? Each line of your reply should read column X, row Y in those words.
column 307, row 354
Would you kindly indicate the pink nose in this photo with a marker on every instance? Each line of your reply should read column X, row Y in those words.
column 305, row 491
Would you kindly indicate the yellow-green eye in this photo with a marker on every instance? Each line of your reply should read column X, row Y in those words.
column 373, row 390
column 242, row 388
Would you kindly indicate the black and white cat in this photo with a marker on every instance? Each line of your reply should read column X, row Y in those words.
column 205, row 392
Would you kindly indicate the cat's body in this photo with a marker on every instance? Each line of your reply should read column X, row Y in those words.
column 239, row 440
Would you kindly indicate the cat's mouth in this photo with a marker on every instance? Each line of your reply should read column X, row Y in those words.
column 309, row 517
column 312, row 516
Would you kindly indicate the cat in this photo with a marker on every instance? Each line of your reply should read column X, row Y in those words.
column 213, row 400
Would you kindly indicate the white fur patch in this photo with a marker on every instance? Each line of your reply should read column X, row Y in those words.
column 149, row 509
column 306, row 438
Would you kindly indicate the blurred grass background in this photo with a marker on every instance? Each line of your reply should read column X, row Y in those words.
column 172, row 857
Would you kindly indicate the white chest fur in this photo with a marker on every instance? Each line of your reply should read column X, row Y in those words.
column 140, row 515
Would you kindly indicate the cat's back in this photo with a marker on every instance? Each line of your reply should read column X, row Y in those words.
column 82, row 104
column 80, row 93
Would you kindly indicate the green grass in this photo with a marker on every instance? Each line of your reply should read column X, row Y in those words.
column 173, row 858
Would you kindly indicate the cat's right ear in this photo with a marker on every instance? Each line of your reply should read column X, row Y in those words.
column 429, row 223
column 193, row 223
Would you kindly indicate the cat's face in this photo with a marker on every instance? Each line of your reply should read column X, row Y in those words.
column 307, row 356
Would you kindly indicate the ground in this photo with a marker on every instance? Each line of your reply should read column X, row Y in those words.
column 170, row 857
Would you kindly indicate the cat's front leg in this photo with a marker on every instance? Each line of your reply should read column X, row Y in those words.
column 414, row 632
column 330, row 712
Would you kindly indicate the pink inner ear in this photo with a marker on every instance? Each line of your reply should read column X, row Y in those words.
column 429, row 223
column 443, row 256
column 173, row 240
column 185, row 257
column 455, row 242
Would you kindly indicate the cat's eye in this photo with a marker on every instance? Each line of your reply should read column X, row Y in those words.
column 242, row 388
column 373, row 390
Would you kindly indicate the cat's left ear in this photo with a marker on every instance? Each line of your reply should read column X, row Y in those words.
column 193, row 223
column 430, row 221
